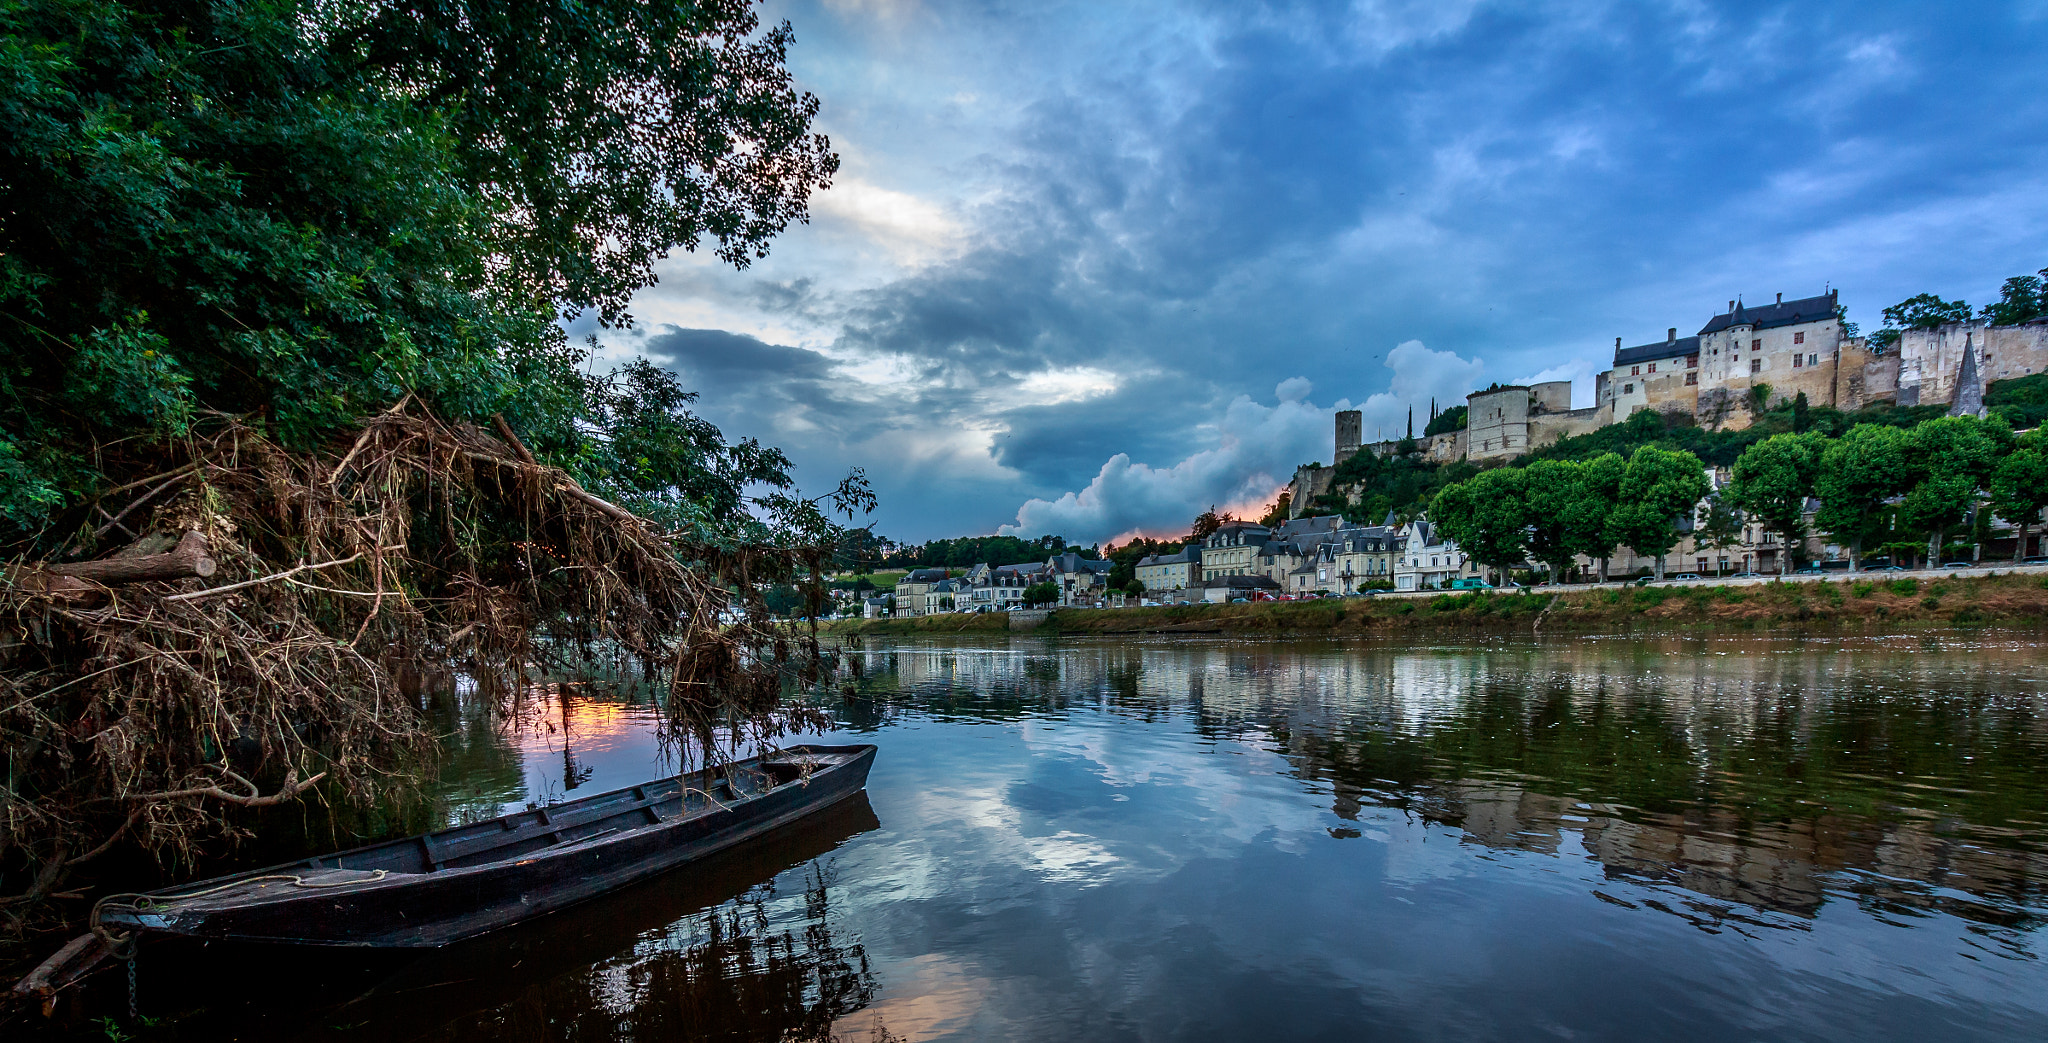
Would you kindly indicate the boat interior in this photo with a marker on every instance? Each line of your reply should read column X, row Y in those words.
column 590, row 818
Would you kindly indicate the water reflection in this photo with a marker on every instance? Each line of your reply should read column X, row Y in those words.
column 1772, row 774
column 1761, row 837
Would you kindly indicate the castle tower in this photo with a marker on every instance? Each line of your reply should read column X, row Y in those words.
column 1350, row 434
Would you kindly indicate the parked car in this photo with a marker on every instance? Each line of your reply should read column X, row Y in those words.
column 2035, row 560
column 1882, row 568
column 1810, row 570
column 1958, row 564
column 1685, row 577
column 1471, row 583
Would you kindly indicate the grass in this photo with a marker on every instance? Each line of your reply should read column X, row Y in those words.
column 1964, row 601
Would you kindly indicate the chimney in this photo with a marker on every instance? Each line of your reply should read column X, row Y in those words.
column 1731, row 307
column 1671, row 335
column 1617, row 343
column 1781, row 297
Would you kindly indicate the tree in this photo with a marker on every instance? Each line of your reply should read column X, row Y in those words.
column 1773, row 481
column 1486, row 515
column 2019, row 488
column 1452, row 419
column 1039, row 594
column 2023, row 298
column 1658, row 487
column 1950, row 459
column 1589, row 525
column 1720, row 525
column 1859, row 472
column 1276, row 514
column 1206, row 524
column 1800, row 420
column 305, row 214
column 1925, row 312
column 1552, row 490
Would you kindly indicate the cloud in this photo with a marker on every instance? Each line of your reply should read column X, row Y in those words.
column 1420, row 376
column 1579, row 371
column 1256, row 450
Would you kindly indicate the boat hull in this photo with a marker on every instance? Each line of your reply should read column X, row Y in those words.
column 353, row 899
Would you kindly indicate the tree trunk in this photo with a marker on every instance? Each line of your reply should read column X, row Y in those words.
column 184, row 561
column 1660, row 568
column 1934, row 549
column 2019, row 549
column 1855, row 554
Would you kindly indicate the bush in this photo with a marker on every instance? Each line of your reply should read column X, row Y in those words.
column 1905, row 587
column 1862, row 588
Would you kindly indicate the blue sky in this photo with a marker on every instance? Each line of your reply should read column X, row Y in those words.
column 1091, row 268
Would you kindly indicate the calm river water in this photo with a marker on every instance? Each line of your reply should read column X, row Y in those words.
column 1713, row 838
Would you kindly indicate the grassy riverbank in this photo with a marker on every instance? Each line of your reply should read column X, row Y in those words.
column 1934, row 601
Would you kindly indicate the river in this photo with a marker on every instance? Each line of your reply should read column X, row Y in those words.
column 1769, row 837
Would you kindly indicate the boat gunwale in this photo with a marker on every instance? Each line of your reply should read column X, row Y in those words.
column 167, row 900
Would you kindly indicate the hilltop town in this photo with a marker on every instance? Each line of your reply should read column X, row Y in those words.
column 1749, row 369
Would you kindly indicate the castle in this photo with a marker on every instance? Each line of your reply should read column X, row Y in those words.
column 1743, row 362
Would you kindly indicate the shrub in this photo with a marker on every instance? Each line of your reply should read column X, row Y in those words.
column 1905, row 587
column 1862, row 588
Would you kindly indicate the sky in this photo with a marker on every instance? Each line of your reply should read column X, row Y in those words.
column 1089, row 269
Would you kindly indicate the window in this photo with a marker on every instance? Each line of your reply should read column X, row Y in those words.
column 1756, row 365
column 1799, row 338
column 1692, row 362
column 1628, row 389
column 1691, row 379
column 1635, row 371
column 1756, row 345
column 1813, row 359
column 1798, row 361
column 1653, row 367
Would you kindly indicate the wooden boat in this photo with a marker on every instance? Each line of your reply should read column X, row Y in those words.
column 456, row 883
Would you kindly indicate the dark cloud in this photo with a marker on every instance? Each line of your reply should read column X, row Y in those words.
column 1210, row 199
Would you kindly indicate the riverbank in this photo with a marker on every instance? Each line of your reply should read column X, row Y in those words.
column 1933, row 600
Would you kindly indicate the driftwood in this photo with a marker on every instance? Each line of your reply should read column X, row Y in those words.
column 74, row 961
column 189, row 558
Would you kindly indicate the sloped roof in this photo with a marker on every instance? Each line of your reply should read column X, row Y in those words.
column 1662, row 349
column 924, row 576
column 1769, row 316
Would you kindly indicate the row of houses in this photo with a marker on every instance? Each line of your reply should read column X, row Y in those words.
column 1080, row 582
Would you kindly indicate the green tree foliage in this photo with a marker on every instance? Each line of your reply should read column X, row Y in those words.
column 1950, row 460
column 1486, row 515
column 1773, row 480
column 1206, row 524
column 2019, row 487
column 1041, row 594
column 1589, row 527
column 1452, row 419
column 1553, row 490
column 304, row 213
column 2023, row 298
column 1802, row 420
column 1657, row 488
column 1858, row 473
column 965, row 551
column 1276, row 513
column 2022, row 401
column 1402, row 484
column 1925, row 312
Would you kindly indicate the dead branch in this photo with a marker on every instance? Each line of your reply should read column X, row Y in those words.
column 193, row 595
column 188, row 559
column 289, row 789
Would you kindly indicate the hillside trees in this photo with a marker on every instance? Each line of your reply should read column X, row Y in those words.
column 1553, row 491
column 1773, row 480
column 1486, row 515
column 1589, row 525
column 1858, row 473
column 1950, row 460
column 2019, row 487
column 1657, row 488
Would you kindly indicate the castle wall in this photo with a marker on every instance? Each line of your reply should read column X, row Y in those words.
column 1863, row 376
column 1929, row 359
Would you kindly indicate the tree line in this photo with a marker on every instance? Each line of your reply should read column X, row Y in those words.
column 1876, row 485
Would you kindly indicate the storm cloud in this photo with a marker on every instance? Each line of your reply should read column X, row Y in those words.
column 1089, row 268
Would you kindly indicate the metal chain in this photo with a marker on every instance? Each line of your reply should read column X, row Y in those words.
column 132, row 1012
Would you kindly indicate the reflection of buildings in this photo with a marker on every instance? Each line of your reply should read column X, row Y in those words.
column 1669, row 761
